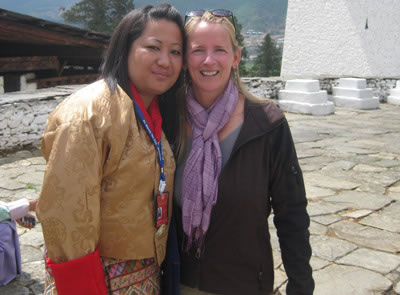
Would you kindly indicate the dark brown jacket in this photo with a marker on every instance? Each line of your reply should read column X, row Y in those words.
column 262, row 174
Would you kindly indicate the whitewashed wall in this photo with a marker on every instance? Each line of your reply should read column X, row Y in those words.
column 328, row 38
column 1, row 84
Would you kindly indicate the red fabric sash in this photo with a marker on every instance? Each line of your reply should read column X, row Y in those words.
column 152, row 114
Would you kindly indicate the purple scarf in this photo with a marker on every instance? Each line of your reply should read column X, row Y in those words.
column 203, row 166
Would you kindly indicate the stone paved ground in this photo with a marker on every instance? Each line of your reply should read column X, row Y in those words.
column 351, row 165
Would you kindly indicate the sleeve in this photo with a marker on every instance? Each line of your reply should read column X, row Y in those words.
column 4, row 212
column 290, row 215
column 69, row 207
column 18, row 208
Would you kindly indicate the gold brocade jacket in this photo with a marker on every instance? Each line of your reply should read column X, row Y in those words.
column 101, row 177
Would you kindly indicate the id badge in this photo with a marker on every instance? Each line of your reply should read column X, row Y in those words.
column 162, row 209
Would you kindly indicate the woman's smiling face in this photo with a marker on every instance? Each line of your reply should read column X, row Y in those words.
column 155, row 59
column 210, row 58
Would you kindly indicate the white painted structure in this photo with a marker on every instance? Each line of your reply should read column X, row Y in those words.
column 353, row 93
column 394, row 97
column 24, row 85
column 1, row 84
column 342, row 38
column 305, row 97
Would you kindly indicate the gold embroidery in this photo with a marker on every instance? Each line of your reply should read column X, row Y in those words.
column 54, row 230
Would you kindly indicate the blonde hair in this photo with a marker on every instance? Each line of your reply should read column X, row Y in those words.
column 208, row 17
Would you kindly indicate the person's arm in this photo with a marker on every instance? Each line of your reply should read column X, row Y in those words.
column 18, row 208
column 290, row 215
column 69, row 207
column 32, row 205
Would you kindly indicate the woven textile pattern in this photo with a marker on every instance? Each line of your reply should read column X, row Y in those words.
column 123, row 277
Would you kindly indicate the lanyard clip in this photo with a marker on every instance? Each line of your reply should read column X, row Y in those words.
column 162, row 186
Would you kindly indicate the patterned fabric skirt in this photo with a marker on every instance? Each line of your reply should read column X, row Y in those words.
column 122, row 277
column 139, row 277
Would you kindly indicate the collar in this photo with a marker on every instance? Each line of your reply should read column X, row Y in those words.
column 151, row 114
column 259, row 119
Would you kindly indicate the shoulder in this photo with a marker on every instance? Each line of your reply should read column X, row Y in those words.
column 266, row 113
column 90, row 103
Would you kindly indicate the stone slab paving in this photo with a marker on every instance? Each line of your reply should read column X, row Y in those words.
column 387, row 219
column 378, row 261
column 351, row 167
column 347, row 280
column 366, row 236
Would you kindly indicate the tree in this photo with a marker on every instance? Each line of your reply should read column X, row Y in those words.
column 98, row 15
column 239, row 37
column 268, row 61
column 118, row 9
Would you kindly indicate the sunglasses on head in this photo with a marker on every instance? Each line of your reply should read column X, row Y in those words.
column 214, row 12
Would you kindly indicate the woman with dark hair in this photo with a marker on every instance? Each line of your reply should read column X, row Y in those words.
column 104, row 205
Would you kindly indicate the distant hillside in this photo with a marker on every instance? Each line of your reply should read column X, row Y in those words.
column 259, row 15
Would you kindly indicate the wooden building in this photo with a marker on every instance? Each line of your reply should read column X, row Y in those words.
column 52, row 53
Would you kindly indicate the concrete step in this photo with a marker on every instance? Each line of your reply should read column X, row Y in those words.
column 319, row 109
column 352, row 92
column 304, row 97
column 302, row 85
column 353, row 83
column 395, row 92
column 356, row 103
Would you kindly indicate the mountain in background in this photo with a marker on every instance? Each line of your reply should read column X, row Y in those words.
column 258, row 15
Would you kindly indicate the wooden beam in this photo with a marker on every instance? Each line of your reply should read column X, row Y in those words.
column 66, row 80
column 28, row 63
column 13, row 31
column 8, row 49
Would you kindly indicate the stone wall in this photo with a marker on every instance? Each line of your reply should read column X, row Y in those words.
column 269, row 87
column 23, row 115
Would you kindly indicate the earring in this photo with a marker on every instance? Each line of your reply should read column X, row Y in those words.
column 235, row 73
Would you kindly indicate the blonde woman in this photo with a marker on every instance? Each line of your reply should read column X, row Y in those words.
column 238, row 163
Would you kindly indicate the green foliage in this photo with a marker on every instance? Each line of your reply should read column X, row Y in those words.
column 240, row 39
column 268, row 61
column 98, row 15
column 118, row 9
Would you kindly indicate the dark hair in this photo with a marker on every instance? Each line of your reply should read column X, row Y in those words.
column 115, row 65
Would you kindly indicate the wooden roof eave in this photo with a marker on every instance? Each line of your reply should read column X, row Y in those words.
column 22, row 33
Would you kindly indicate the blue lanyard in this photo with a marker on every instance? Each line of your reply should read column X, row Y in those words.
column 158, row 146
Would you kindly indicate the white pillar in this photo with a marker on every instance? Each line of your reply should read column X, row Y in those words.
column 305, row 97
column 353, row 93
column 1, row 84
column 24, row 82
column 394, row 97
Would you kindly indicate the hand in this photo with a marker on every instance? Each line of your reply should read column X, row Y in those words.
column 27, row 223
